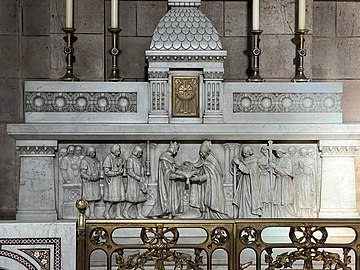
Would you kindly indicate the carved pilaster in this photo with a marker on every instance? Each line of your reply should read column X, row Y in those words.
column 158, row 84
column 338, row 190
column 213, row 87
column 37, row 181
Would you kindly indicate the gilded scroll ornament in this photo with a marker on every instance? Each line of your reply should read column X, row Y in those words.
column 159, row 243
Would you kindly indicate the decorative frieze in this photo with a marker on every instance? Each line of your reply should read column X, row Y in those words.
column 36, row 150
column 213, row 75
column 158, row 74
column 80, row 102
column 286, row 102
column 339, row 150
column 178, row 57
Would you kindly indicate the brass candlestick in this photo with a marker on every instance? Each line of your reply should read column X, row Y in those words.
column 255, row 75
column 114, row 51
column 301, row 53
column 70, row 58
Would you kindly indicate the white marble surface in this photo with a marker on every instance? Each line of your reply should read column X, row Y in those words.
column 39, row 235
column 102, row 95
column 246, row 131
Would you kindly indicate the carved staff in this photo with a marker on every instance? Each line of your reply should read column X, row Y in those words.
column 147, row 164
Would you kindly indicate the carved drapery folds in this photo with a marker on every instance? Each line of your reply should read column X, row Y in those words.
column 252, row 178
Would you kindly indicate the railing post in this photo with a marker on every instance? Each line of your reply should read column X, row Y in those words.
column 81, row 263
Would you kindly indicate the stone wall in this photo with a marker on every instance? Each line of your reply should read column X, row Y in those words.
column 31, row 48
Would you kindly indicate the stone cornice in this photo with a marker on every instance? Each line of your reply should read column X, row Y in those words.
column 237, row 132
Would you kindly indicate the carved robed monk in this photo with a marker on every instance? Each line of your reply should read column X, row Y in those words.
column 90, row 173
column 114, row 188
column 247, row 197
column 137, row 183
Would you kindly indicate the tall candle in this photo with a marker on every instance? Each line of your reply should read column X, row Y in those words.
column 69, row 14
column 302, row 13
column 255, row 15
column 114, row 13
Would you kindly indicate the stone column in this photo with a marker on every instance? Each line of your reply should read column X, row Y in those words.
column 159, row 108
column 338, row 194
column 213, row 98
column 37, row 181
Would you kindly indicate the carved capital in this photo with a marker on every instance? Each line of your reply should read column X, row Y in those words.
column 158, row 74
column 338, row 150
column 36, row 150
column 213, row 75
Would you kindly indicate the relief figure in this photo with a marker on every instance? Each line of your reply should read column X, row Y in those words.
column 171, row 185
column 76, row 163
column 114, row 188
column 137, row 183
column 266, row 182
column 284, row 191
column 90, row 173
column 304, row 180
column 67, row 164
column 246, row 197
column 210, row 194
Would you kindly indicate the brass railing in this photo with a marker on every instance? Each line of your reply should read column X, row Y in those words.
column 194, row 244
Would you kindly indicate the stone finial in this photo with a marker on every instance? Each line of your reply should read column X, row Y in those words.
column 184, row 3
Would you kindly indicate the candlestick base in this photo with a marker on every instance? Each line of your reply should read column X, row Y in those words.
column 69, row 76
column 255, row 74
column 301, row 53
column 114, row 76
column 70, row 58
column 114, row 51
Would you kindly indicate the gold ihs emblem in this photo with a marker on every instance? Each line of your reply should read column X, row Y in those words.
column 185, row 96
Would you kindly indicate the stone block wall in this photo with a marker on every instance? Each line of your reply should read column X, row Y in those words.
column 31, row 48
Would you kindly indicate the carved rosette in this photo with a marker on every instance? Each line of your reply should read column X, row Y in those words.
column 286, row 103
column 80, row 102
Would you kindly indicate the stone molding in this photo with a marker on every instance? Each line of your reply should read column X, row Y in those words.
column 80, row 102
column 36, row 150
column 213, row 75
column 178, row 57
column 286, row 102
column 158, row 74
column 339, row 150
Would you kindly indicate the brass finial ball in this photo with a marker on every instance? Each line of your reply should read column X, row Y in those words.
column 81, row 204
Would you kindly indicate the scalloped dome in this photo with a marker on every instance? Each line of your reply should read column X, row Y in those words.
column 185, row 28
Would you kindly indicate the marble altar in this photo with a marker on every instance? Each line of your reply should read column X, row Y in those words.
column 186, row 100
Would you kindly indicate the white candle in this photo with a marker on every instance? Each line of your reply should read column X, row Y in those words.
column 114, row 13
column 255, row 15
column 302, row 13
column 69, row 14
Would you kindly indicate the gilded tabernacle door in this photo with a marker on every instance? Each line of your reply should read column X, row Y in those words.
column 185, row 96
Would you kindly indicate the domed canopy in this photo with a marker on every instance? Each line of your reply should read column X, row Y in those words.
column 185, row 29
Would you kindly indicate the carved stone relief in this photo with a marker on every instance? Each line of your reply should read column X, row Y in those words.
column 80, row 102
column 286, row 103
column 191, row 180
